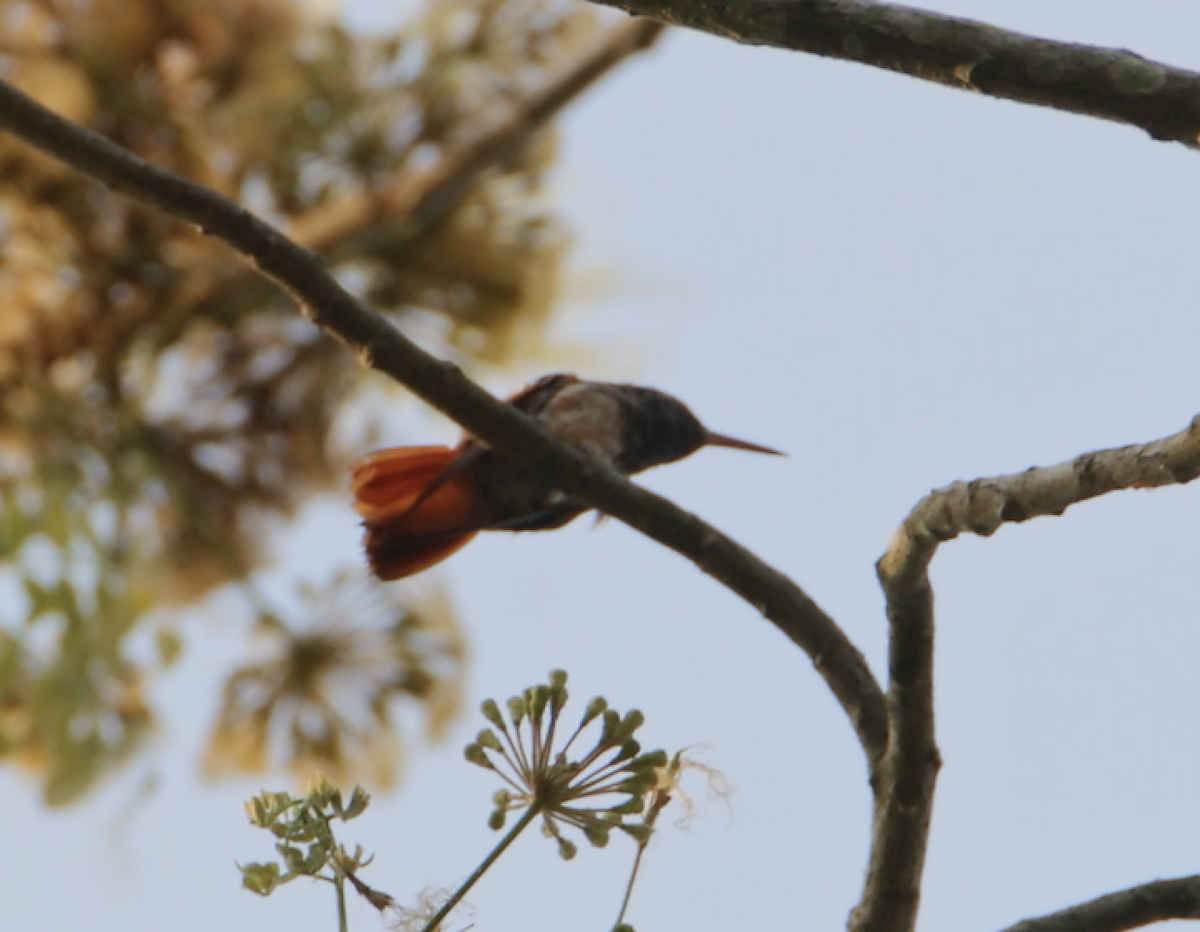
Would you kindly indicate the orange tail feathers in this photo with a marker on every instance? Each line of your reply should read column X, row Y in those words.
column 416, row 512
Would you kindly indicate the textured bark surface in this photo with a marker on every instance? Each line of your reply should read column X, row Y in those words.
column 1112, row 84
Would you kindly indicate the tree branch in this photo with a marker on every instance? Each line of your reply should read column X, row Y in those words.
column 302, row 274
column 1138, row 906
column 908, row 771
column 1112, row 84
column 983, row 505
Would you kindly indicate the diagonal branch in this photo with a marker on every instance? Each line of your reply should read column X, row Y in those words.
column 1112, row 84
column 908, row 771
column 1138, row 906
column 302, row 274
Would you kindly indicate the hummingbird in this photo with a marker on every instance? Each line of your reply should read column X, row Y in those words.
column 421, row 504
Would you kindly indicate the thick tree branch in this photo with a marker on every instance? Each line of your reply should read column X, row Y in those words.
column 907, row 773
column 302, row 274
column 1112, row 84
column 1156, row 901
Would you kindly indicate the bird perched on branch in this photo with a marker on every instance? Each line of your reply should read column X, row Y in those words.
column 421, row 504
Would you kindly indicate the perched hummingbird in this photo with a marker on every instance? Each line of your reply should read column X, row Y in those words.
column 421, row 504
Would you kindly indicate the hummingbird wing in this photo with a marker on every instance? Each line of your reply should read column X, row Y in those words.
column 420, row 504
column 418, row 507
column 547, row 519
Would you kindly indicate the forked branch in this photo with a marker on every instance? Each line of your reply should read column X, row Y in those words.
column 908, row 770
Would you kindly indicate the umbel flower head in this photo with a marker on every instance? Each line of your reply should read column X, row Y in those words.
column 594, row 791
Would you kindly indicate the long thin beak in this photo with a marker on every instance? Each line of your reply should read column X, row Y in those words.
column 720, row 440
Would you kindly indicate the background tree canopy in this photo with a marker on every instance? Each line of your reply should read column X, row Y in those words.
column 164, row 413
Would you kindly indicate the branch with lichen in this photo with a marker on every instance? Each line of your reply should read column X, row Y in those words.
column 1112, row 84
column 908, row 771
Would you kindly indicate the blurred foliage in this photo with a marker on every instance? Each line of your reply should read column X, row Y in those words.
column 162, row 410
column 318, row 698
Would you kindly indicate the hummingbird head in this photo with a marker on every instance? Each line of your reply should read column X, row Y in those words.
column 661, row 429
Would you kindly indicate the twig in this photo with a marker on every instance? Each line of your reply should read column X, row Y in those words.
column 1112, row 84
column 1138, row 906
column 378, row 344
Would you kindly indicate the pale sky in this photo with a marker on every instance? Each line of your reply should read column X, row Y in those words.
column 900, row 285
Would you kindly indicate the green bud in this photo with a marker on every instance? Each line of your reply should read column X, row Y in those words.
column 631, row 806
column 653, row 760
column 491, row 712
column 517, row 709
column 594, row 708
column 566, row 849
column 496, row 819
column 475, row 754
column 488, row 740
column 558, row 679
column 638, row 831
column 537, row 697
column 637, row 784
column 558, row 700
column 611, row 721
column 597, row 834
column 632, row 722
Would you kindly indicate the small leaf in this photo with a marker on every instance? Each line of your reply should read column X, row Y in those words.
column 260, row 878
column 359, row 800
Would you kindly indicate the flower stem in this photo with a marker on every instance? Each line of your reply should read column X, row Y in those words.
column 507, row 840
column 637, row 863
column 340, row 885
